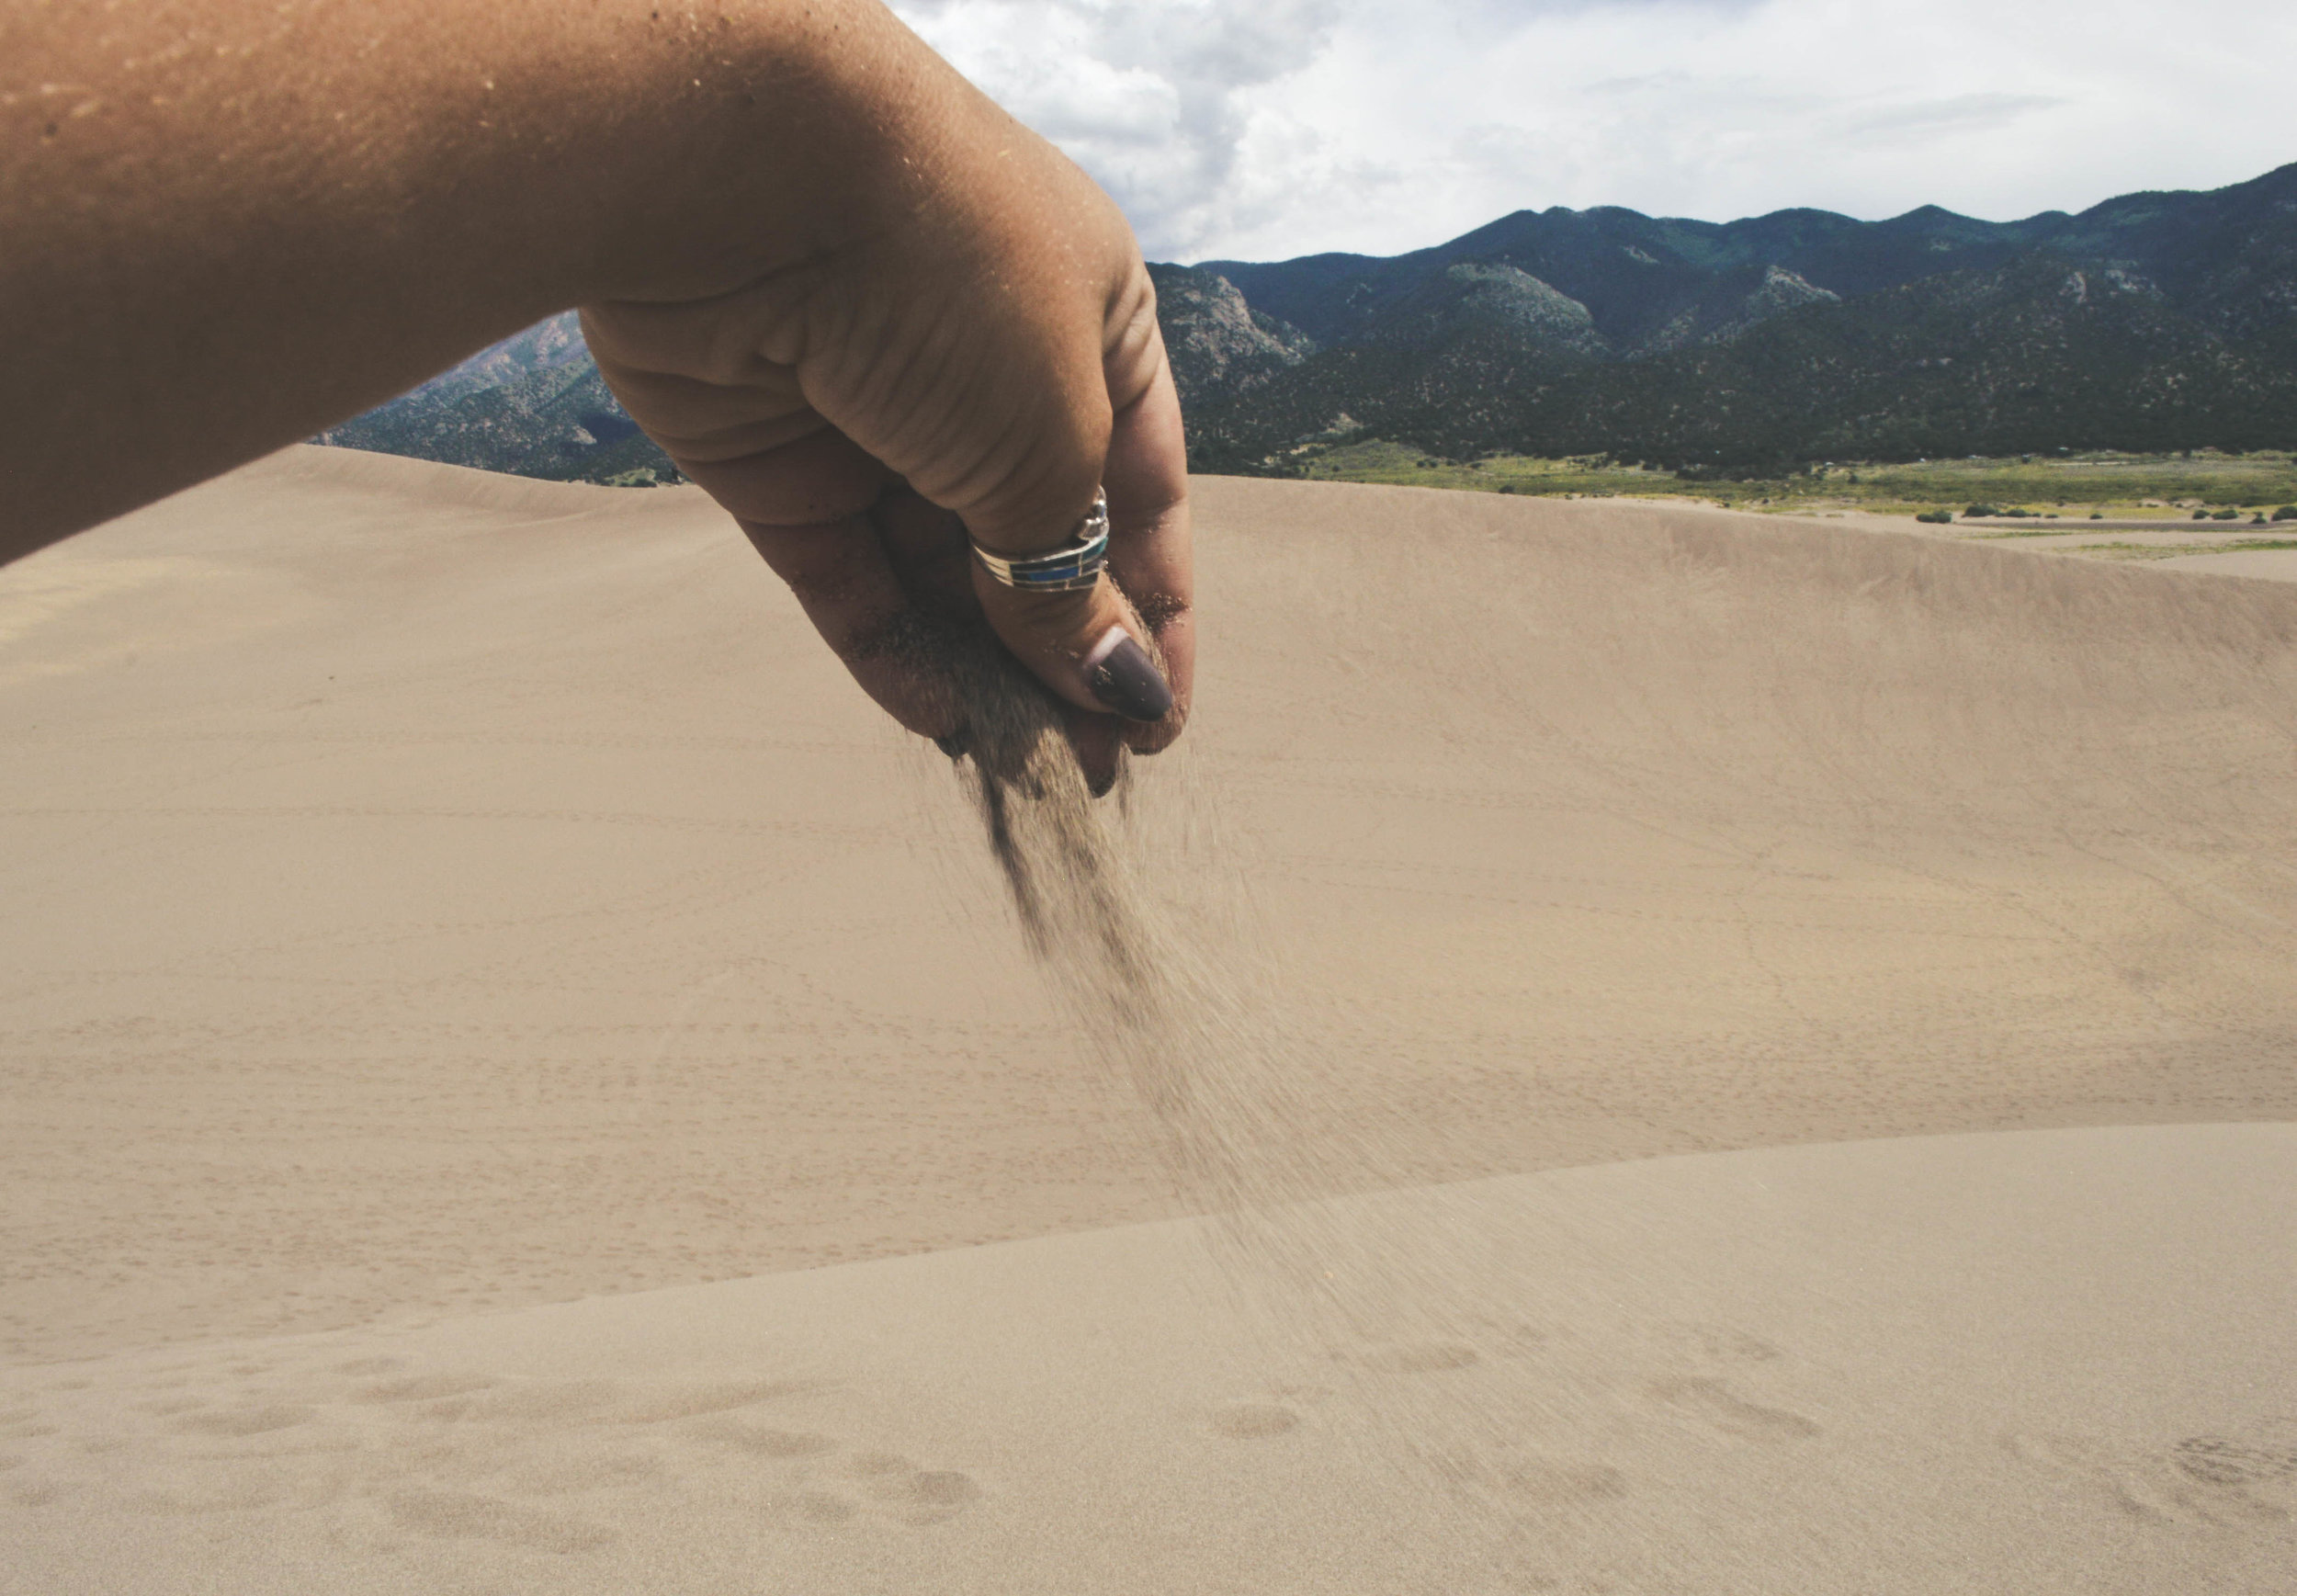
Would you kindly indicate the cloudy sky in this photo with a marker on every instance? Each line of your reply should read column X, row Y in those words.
column 1256, row 130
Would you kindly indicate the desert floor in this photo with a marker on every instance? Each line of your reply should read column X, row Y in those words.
column 517, row 1079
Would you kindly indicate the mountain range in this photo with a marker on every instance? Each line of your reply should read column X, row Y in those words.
column 2152, row 322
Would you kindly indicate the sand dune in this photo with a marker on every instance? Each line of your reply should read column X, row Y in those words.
column 1814, row 1369
column 2268, row 564
column 434, row 897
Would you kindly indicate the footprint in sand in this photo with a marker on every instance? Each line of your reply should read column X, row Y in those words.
column 763, row 1440
column 243, row 1497
column 697, row 1401
column 1509, row 1475
column 1513, row 1338
column 245, row 1420
column 918, row 1495
column 35, row 1493
column 1421, row 1358
column 2229, row 1481
column 1254, row 1422
column 447, row 1515
column 371, row 1366
column 603, row 1471
column 1551, row 1481
column 2218, row 1460
column 1715, row 1403
column 25, row 1423
column 811, row 1507
column 421, row 1389
column 1721, row 1344
column 499, row 1460
column 542, row 1401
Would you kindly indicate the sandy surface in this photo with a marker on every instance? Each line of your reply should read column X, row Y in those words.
column 1822, row 1369
column 433, row 896
column 2272, row 565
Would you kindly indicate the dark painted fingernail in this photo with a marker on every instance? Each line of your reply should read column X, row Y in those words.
column 1127, row 682
column 953, row 745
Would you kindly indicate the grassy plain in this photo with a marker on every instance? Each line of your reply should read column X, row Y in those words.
column 2119, row 486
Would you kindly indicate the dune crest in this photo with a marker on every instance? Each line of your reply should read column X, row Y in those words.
column 454, row 923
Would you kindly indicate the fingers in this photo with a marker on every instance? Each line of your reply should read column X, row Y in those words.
column 1150, row 552
column 933, row 560
column 1063, row 638
column 1125, row 645
column 899, row 652
column 1098, row 745
column 889, row 593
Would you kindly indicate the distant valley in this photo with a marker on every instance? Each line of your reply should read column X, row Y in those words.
column 2151, row 323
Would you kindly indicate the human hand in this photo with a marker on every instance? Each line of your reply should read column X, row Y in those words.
column 962, row 337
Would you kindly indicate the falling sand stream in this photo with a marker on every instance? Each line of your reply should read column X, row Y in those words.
column 1196, row 1027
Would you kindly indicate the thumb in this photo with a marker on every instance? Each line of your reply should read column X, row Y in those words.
column 1085, row 642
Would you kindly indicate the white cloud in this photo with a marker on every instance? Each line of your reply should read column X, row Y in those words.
column 1955, row 114
column 1256, row 132
column 1147, row 94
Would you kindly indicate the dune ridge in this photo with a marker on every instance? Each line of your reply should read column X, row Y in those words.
column 457, row 921
column 544, row 846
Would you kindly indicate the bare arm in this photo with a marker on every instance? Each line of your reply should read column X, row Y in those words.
column 816, row 262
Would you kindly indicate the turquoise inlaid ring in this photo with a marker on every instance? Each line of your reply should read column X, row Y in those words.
column 1075, row 564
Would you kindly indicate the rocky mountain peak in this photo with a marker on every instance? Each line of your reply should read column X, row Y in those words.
column 1216, row 342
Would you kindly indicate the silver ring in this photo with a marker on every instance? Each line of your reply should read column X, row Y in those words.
column 1075, row 564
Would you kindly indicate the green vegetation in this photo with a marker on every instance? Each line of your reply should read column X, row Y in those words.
column 1747, row 351
column 2037, row 532
column 2169, row 488
column 1372, row 460
column 2057, row 500
column 2039, row 354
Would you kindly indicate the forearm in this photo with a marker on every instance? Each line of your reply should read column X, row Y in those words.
column 229, row 225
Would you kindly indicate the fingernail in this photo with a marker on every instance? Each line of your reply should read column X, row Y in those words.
column 1122, row 676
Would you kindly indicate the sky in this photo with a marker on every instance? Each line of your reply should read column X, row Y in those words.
column 1260, row 130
